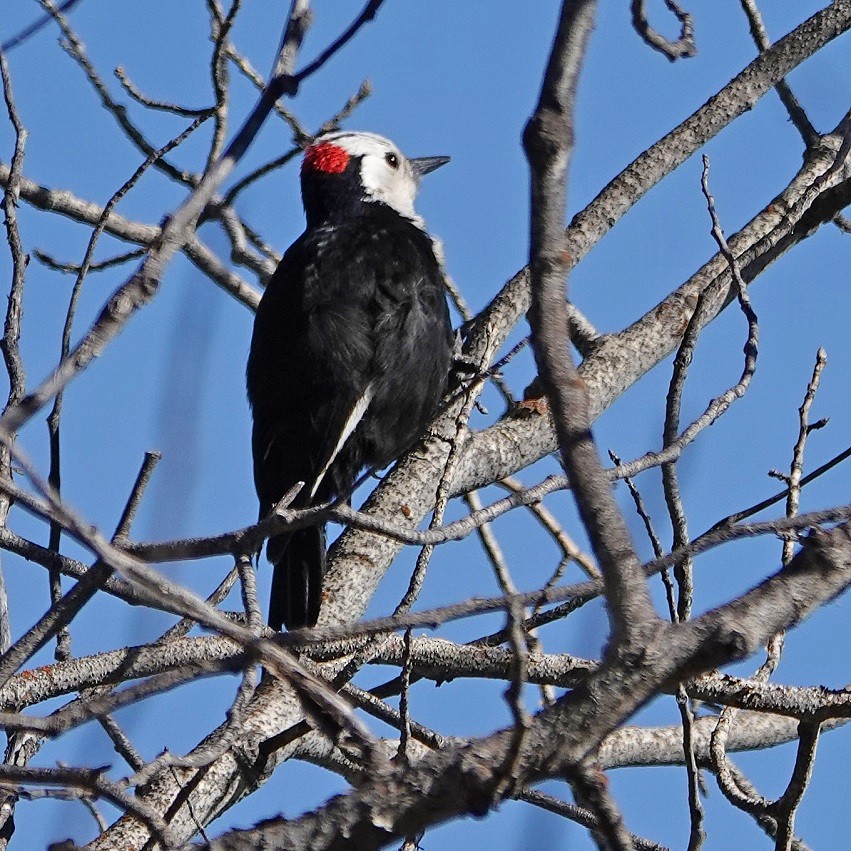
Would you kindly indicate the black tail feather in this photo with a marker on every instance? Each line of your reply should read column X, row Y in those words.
column 297, row 580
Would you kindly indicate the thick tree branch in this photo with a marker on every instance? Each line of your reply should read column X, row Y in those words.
column 812, row 198
column 548, row 141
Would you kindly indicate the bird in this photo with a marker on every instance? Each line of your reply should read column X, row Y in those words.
column 351, row 349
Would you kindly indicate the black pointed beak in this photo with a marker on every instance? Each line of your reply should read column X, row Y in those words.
column 423, row 165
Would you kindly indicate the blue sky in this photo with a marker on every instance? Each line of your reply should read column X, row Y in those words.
column 458, row 79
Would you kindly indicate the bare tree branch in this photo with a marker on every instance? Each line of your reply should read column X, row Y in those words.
column 548, row 140
column 682, row 48
column 459, row 780
column 305, row 706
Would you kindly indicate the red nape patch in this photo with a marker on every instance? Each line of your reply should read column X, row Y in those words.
column 325, row 157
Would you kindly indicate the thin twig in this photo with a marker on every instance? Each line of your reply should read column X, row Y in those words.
column 787, row 804
column 655, row 542
column 63, row 610
column 121, row 742
column 220, row 78
column 796, row 470
column 185, row 624
column 404, row 698
column 578, row 814
column 128, row 515
column 570, row 549
column 74, row 268
column 74, row 47
column 683, row 48
column 491, row 546
column 670, row 479
column 10, row 343
column 300, row 135
column 507, row 774
column 378, row 709
column 697, row 834
column 748, row 801
column 796, row 113
column 744, row 513
column 151, row 103
column 370, row 10
column 66, row 204
column 261, row 171
column 696, row 815
column 94, row 782
column 35, row 27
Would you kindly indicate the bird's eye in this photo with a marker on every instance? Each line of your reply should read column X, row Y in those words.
column 392, row 160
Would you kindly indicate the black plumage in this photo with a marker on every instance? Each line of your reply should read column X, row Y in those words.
column 352, row 330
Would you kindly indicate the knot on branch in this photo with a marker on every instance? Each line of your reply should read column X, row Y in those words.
column 734, row 644
column 121, row 305
column 547, row 134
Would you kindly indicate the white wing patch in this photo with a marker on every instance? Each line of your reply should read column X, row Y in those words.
column 350, row 425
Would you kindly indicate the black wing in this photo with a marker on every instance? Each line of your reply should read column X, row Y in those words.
column 353, row 308
column 349, row 359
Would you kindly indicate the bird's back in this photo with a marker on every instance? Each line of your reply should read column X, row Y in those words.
column 355, row 306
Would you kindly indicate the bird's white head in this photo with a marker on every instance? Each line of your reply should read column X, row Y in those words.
column 383, row 172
